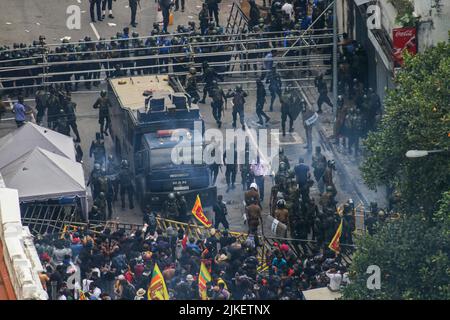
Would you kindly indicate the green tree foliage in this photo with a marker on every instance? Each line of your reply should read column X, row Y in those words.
column 413, row 256
column 416, row 116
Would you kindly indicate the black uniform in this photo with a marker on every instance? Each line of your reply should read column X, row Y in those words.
column 98, row 151
column 323, row 94
column 95, row 5
column 103, row 104
column 220, row 210
column 218, row 97
column 260, row 101
column 238, row 106
column 231, row 170
column 69, row 109
column 126, row 187
column 133, row 7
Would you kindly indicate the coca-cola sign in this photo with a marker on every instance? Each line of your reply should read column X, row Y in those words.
column 403, row 39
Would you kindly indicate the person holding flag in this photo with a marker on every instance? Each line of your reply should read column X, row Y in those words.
column 157, row 289
column 204, row 277
column 198, row 213
column 335, row 244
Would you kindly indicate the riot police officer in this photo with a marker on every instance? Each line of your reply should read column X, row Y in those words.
column 182, row 207
column 230, row 168
column 112, row 170
column 133, row 4
column 238, row 104
column 218, row 98
column 93, row 180
column 323, row 93
column 209, row 74
column 95, row 5
column 126, row 184
column 97, row 149
column 275, row 84
column 61, row 124
column 319, row 164
column 289, row 109
column 260, row 101
column 69, row 109
column 100, row 203
column 41, row 99
column 283, row 158
column 170, row 207
column 103, row 104
column 191, row 85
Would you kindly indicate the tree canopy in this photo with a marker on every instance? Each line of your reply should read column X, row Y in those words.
column 416, row 117
column 413, row 256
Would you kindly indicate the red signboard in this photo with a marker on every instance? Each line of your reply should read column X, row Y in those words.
column 403, row 39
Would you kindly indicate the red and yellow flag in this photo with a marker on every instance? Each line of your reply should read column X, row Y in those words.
column 157, row 289
column 197, row 211
column 335, row 243
column 203, row 278
column 82, row 296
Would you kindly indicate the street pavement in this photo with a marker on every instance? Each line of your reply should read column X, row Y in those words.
column 52, row 24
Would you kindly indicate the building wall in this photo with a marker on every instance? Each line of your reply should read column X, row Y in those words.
column 19, row 253
column 433, row 27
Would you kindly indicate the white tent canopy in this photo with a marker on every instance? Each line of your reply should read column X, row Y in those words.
column 41, row 175
column 30, row 136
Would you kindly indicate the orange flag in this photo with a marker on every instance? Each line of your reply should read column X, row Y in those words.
column 197, row 211
column 335, row 243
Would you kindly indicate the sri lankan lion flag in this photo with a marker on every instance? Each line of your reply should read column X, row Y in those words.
column 197, row 211
column 335, row 244
column 203, row 278
column 157, row 289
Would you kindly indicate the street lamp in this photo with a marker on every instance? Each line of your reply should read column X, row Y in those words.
column 421, row 153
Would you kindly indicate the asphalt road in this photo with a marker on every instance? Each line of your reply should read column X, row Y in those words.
column 26, row 20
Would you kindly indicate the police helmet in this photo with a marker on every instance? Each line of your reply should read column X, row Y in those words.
column 124, row 163
column 330, row 189
column 214, row 82
column 340, row 97
column 61, row 111
column 281, row 203
column 103, row 93
column 97, row 166
column 282, row 165
column 238, row 88
column 171, row 196
column 101, row 195
column 192, row 70
column 254, row 186
column 135, row 34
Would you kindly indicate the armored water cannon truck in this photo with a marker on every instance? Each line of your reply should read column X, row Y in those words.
column 147, row 114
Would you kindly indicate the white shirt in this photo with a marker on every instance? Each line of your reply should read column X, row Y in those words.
column 335, row 280
column 288, row 9
column 258, row 169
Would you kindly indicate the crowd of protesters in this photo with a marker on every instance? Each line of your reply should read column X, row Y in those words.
column 118, row 265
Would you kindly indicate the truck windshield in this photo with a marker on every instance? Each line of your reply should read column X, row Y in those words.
column 162, row 157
